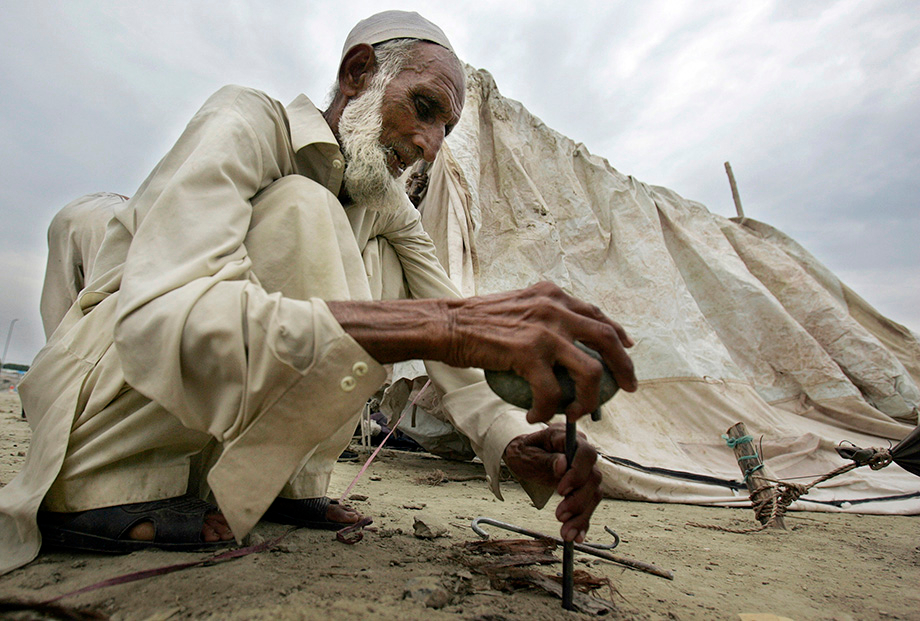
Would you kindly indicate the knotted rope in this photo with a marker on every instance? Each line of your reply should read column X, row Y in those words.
column 784, row 493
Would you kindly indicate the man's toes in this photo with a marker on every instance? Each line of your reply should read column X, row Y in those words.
column 215, row 528
column 342, row 514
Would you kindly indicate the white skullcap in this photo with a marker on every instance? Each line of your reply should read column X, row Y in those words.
column 394, row 25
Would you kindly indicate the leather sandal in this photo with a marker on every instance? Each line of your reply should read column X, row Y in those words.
column 306, row 512
column 177, row 524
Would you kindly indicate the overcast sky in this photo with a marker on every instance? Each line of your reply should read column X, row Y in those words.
column 815, row 104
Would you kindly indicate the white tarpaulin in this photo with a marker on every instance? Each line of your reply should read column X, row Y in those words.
column 734, row 321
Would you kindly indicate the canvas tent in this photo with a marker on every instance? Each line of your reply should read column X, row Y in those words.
column 734, row 321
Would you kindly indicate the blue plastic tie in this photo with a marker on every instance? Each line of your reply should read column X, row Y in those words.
column 748, row 474
column 733, row 442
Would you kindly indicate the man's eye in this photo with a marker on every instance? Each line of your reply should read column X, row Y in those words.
column 424, row 109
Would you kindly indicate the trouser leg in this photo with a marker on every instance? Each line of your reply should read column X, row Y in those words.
column 279, row 245
column 301, row 244
column 384, row 271
column 381, row 270
column 74, row 237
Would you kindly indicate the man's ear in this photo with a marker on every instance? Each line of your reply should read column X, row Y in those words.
column 356, row 69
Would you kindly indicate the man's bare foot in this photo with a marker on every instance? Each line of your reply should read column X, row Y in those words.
column 322, row 513
column 215, row 528
column 342, row 514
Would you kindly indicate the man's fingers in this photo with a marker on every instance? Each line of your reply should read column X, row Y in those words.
column 612, row 348
column 560, row 465
column 610, row 340
column 540, row 457
column 621, row 366
column 576, row 528
column 554, row 438
column 624, row 337
column 576, row 509
column 586, row 372
column 529, row 332
column 580, row 486
column 546, row 394
column 582, row 470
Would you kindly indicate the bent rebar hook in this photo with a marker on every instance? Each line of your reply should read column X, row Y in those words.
column 531, row 533
column 593, row 549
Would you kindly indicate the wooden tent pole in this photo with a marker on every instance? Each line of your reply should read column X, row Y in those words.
column 735, row 195
column 758, row 479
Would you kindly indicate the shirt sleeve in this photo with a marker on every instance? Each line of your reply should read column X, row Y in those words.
column 472, row 407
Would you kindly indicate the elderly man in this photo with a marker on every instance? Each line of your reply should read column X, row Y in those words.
column 240, row 308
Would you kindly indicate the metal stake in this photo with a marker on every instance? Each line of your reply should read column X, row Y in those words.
column 568, row 548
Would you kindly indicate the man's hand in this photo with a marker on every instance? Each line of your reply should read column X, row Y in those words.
column 540, row 457
column 527, row 331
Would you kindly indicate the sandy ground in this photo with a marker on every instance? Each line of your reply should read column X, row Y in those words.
column 825, row 566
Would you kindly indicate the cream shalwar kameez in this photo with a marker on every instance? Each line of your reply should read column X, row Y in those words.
column 203, row 322
column 74, row 237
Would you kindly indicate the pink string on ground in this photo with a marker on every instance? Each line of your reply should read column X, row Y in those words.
column 221, row 557
column 374, row 454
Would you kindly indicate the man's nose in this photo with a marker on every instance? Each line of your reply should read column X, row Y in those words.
column 429, row 139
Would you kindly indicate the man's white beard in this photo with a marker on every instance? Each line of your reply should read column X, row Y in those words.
column 367, row 177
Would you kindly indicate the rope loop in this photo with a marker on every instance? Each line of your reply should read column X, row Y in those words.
column 880, row 459
column 750, row 471
column 733, row 442
column 782, row 494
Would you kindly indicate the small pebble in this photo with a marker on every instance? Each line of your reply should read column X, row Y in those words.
column 428, row 591
column 427, row 527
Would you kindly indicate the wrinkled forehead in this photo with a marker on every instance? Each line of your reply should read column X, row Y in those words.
column 434, row 67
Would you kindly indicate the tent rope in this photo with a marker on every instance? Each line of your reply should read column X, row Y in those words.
column 784, row 493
